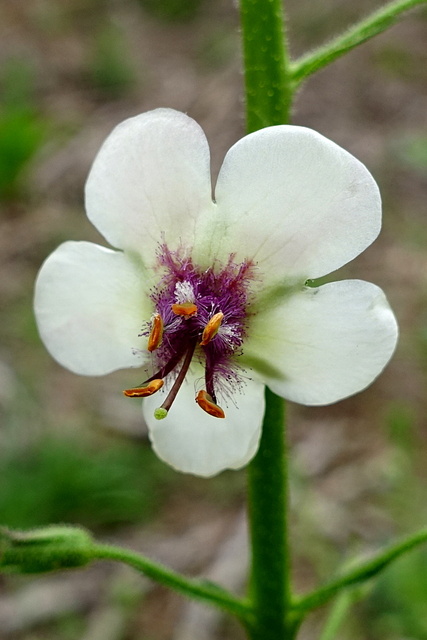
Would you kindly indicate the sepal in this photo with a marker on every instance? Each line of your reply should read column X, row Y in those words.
column 48, row 549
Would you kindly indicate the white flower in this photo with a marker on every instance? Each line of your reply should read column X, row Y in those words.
column 210, row 297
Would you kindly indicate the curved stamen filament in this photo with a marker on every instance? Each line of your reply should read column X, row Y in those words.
column 168, row 367
column 179, row 380
column 209, row 382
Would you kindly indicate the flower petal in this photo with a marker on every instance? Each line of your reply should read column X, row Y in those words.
column 295, row 202
column 191, row 441
column 90, row 304
column 150, row 182
column 323, row 344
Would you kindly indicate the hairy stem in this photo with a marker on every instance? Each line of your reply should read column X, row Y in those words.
column 196, row 589
column 268, row 88
column 357, row 34
column 268, row 500
column 361, row 571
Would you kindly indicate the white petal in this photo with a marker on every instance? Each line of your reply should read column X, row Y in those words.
column 324, row 344
column 150, row 182
column 90, row 305
column 191, row 441
column 295, row 202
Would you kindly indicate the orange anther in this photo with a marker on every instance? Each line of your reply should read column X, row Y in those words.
column 186, row 309
column 211, row 328
column 144, row 391
column 156, row 333
column 205, row 402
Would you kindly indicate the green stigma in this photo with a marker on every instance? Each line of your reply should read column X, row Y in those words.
column 160, row 413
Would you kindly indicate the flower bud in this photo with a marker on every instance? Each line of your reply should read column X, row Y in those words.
column 48, row 549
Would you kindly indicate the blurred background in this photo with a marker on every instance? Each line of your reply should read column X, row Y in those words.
column 75, row 450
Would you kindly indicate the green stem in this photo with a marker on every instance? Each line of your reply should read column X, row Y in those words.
column 196, row 589
column 358, row 33
column 268, row 87
column 267, row 493
column 269, row 96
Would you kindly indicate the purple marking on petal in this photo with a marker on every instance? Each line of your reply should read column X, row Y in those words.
column 222, row 287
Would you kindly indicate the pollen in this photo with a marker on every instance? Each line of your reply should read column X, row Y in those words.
column 211, row 329
column 205, row 402
column 144, row 390
column 156, row 333
column 185, row 309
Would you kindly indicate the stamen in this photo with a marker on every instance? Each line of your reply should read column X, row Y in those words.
column 169, row 365
column 205, row 402
column 185, row 309
column 196, row 309
column 177, row 384
column 211, row 328
column 156, row 333
column 144, row 390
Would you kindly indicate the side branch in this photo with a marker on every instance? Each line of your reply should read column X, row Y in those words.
column 357, row 34
column 360, row 573
column 207, row 592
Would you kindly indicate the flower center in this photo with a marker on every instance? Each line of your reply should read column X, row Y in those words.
column 200, row 316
